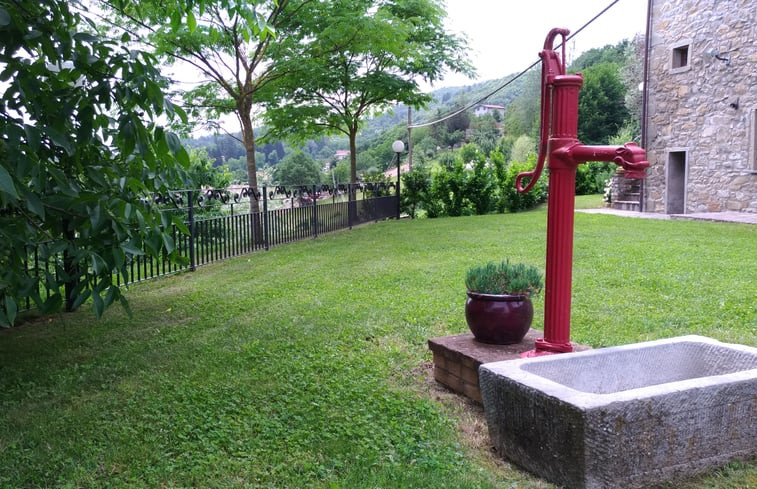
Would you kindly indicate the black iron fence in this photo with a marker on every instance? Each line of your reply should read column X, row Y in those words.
column 225, row 223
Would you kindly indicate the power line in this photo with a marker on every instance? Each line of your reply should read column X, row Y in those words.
column 508, row 82
column 472, row 104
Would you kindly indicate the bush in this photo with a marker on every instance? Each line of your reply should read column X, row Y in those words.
column 415, row 189
column 479, row 189
column 515, row 201
column 591, row 177
column 448, row 192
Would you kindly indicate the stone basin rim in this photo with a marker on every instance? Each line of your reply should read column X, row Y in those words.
column 513, row 370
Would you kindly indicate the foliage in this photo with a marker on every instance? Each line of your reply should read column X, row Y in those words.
column 601, row 106
column 452, row 130
column 632, row 76
column 297, row 169
column 522, row 115
column 203, row 173
column 504, row 278
column 607, row 54
column 340, row 172
column 226, row 40
column 357, row 58
column 300, row 367
column 448, row 191
column 79, row 157
column 479, row 188
column 523, row 148
column 499, row 171
column 414, row 189
column 485, row 132
column 516, row 201
column 591, row 177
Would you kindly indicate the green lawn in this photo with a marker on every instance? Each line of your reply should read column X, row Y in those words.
column 307, row 366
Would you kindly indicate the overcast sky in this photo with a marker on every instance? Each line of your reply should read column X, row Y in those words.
column 505, row 36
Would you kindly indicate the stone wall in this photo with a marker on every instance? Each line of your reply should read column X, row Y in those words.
column 705, row 109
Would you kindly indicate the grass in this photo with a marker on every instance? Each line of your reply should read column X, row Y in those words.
column 307, row 366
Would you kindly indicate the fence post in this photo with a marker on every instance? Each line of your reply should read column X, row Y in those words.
column 315, row 212
column 265, row 218
column 191, row 223
column 350, row 205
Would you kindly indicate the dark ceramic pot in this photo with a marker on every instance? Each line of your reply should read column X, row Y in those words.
column 498, row 319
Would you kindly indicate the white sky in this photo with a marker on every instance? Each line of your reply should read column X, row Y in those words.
column 505, row 36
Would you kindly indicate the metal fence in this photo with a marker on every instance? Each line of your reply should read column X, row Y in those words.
column 224, row 223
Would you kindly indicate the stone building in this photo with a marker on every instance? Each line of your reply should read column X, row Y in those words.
column 700, row 128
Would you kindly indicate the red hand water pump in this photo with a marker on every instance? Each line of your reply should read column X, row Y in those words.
column 560, row 147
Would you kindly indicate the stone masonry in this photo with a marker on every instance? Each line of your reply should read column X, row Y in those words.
column 702, row 107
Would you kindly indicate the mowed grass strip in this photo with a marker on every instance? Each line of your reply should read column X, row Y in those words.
column 307, row 366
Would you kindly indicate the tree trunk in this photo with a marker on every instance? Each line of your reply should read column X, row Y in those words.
column 248, row 138
column 352, row 205
column 353, row 155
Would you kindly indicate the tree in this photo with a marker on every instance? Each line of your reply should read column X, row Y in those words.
column 227, row 41
column 80, row 158
column 595, row 56
column 485, row 132
column 203, row 172
column 632, row 75
column 297, row 169
column 523, row 147
column 358, row 58
column 601, row 109
column 522, row 115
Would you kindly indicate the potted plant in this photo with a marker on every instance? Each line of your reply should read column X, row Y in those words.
column 498, row 308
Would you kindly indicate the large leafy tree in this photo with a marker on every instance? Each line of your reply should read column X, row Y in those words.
column 226, row 42
column 601, row 106
column 297, row 169
column 358, row 57
column 79, row 159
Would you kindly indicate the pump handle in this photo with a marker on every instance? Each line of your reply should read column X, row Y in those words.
column 551, row 66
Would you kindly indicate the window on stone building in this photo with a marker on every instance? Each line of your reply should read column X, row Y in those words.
column 680, row 57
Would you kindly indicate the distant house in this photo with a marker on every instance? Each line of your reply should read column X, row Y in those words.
column 341, row 154
column 700, row 129
column 483, row 109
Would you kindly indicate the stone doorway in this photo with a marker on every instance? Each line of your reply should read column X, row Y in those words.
column 676, row 183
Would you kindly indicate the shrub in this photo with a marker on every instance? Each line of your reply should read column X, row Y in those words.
column 479, row 188
column 591, row 177
column 520, row 202
column 415, row 189
column 448, row 192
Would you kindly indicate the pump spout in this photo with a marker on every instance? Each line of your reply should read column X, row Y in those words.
column 630, row 157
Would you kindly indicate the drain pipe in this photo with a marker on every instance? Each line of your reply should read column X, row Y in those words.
column 644, row 95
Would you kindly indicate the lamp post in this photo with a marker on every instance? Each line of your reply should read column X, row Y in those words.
column 398, row 147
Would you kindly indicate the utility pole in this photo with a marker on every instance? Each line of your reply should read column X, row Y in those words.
column 409, row 140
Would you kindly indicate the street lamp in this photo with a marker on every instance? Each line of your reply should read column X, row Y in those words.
column 398, row 147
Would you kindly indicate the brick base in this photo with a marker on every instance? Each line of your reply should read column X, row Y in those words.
column 457, row 358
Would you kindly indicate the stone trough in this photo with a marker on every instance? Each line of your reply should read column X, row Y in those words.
column 625, row 416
